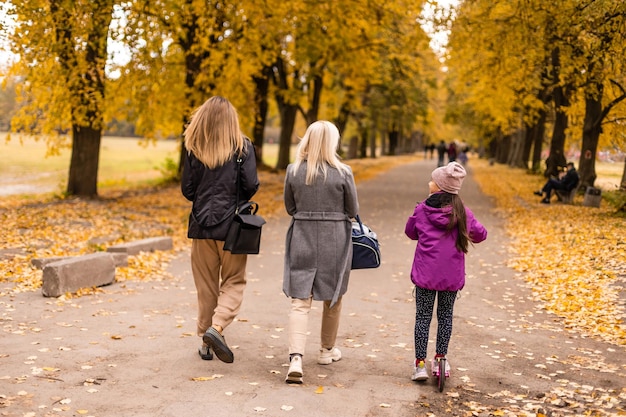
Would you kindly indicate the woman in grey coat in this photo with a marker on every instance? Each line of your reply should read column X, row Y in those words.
column 320, row 195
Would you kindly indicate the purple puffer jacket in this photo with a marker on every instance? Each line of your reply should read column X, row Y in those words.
column 437, row 264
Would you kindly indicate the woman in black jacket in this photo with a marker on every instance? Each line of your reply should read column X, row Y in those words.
column 214, row 143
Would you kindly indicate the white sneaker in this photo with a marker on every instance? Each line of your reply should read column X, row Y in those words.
column 328, row 356
column 294, row 375
column 419, row 372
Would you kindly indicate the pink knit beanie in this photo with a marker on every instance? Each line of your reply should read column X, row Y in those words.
column 449, row 178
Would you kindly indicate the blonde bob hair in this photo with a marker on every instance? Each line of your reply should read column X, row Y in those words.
column 213, row 134
column 318, row 148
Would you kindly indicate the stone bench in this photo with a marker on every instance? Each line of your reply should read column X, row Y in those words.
column 69, row 274
column 145, row 245
column 566, row 197
column 119, row 259
column 74, row 273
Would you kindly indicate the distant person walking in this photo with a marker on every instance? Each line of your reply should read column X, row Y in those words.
column 321, row 197
column 214, row 143
column 443, row 228
column 442, row 151
column 452, row 152
column 463, row 158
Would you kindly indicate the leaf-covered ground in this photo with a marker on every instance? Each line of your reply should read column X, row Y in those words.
column 48, row 227
column 573, row 256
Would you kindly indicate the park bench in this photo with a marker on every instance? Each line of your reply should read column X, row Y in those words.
column 566, row 197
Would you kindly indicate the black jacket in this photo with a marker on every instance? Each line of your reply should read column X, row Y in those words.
column 570, row 180
column 213, row 193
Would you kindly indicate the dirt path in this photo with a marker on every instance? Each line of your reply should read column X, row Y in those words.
column 131, row 351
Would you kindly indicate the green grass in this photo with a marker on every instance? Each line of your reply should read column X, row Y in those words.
column 25, row 168
column 609, row 175
column 25, row 165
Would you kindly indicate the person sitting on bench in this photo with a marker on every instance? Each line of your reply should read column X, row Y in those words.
column 567, row 182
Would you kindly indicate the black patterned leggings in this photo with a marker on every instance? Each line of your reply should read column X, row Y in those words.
column 424, row 303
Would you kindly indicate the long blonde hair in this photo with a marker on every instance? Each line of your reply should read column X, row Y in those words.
column 318, row 148
column 213, row 134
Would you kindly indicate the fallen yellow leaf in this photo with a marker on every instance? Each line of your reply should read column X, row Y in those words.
column 202, row 378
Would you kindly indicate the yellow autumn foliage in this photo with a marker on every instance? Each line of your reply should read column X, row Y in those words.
column 572, row 256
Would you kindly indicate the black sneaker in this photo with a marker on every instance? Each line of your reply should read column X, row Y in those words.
column 539, row 193
column 205, row 353
column 217, row 343
column 545, row 201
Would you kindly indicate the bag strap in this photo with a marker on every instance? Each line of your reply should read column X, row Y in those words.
column 239, row 162
column 358, row 219
column 250, row 205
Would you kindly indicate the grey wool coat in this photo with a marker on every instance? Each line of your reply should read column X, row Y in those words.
column 318, row 249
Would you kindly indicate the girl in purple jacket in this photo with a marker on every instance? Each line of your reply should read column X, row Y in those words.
column 443, row 228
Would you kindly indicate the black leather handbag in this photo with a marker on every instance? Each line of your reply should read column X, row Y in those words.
column 244, row 233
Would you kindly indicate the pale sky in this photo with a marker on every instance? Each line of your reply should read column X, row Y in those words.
column 438, row 39
column 5, row 56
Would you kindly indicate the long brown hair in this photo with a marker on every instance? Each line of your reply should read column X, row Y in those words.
column 213, row 134
column 458, row 219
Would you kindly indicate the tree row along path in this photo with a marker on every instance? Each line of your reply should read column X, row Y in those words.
column 574, row 257
column 520, row 346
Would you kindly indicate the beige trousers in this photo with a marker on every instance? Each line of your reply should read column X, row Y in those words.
column 220, row 279
column 299, row 319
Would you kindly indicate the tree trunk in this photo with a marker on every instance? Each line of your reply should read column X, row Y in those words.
column 556, row 158
column 516, row 153
column 393, row 141
column 372, row 141
column 352, row 147
column 314, row 109
column 87, row 90
column 288, row 113
column 261, row 91
column 342, row 118
column 364, row 134
column 538, row 134
column 502, row 149
column 529, row 135
column 622, row 185
column 83, row 172
column 592, row 127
